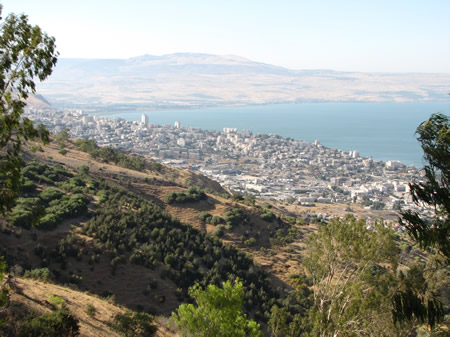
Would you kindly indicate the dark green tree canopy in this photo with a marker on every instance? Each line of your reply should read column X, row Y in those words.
column 26, row 54
column 418, row 298
column 434, row 136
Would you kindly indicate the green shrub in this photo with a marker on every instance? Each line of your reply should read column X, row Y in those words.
column 250, row 200
column 21, row 217
column 55, row 324
column 28, row 186
column 216, row 220
column 84, row 169
column 56, row 301
column 156, row 166
column 90, row 310
column 192, row 194
column 250, row 242
column 108, row 154
column 49, row 194
column 268, row 216
column 237, row 197
column 205, row 216
column 234, row 217
column 134, row 324
column 49, row 221
column 35, row 148
column 219, row 231
column 42, row 274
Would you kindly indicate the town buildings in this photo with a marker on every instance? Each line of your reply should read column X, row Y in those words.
column 269, row 166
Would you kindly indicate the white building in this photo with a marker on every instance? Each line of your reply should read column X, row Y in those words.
column 144, row 119
column 181, row 142
column 354, row 154
column 229, row 130
column 393, row 164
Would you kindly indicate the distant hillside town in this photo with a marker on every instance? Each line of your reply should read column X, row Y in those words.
column 268, row 166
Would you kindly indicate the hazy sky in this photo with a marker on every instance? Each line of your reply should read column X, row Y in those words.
column 351, row 35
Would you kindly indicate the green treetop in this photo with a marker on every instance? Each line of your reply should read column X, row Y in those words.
column 26, row 53
column 218, row 312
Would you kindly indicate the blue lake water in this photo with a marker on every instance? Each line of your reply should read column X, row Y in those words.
column 383, row 131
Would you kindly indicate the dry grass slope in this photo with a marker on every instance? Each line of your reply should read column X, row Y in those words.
column 35, row 294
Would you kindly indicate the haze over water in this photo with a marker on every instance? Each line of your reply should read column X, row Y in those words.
column 383, row 131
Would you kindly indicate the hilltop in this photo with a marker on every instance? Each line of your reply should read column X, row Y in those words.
column 192, row 80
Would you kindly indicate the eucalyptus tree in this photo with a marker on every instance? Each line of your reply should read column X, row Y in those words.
column 423, row 289
column 26, row 54
column 434, row 191
column 351, row 266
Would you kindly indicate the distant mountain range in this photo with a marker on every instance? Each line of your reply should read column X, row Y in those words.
column 187, row 79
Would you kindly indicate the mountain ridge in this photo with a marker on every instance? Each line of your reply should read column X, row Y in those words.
column 196, row 79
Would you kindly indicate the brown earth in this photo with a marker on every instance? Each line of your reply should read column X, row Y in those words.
column 35, row 295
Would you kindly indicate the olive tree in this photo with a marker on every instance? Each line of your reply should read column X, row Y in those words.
column 26, row 54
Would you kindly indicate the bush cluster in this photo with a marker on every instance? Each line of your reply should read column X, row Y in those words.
column 211, row 219
column 141, row 233
column 191, row 195
column 54, row 324
column 235, row 217
column 49, row 207
column 267, row 215
column 134, row 324
column 108, row 154
column 153, row 238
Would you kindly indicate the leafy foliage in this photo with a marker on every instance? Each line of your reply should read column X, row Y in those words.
column 235, row 217
column 267, row 215
column 4, row 294
column 129, row 229
column 134, row 324
column 153, row 238
column 191, row 195
column 352, row 286
column 211, row 219
column 218, row 313
column 418, row 298
column 55, row 324
column 62, row 138
column 26, row 53
column 434, row 136
column 157, row 167
column 415, row 299
column 278, row 321
column 53, row 204
column 108, row 154
column 90, row 310
column 42, row 274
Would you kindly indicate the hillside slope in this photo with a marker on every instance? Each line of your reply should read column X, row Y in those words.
column 35, row 296
column 154, row 186
column 112, row 231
